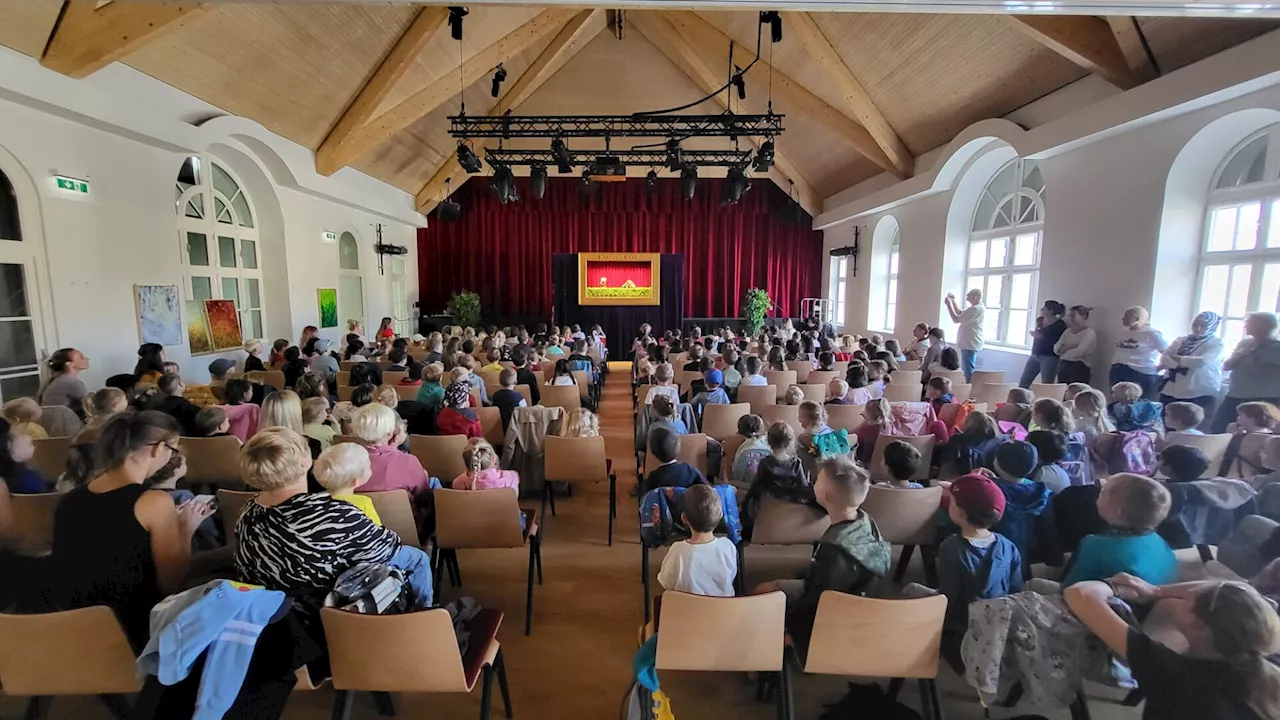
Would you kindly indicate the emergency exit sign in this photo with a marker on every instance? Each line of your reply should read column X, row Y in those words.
column 72, row 184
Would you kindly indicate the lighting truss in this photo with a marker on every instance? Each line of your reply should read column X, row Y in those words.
column 502, row 157
column 615, row 126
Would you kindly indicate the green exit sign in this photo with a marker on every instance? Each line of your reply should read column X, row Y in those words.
column 72, row 184
column 330, row 237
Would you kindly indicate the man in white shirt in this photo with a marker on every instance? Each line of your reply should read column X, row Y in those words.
column 969, row 337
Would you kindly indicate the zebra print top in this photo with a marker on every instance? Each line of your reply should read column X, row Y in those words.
column 306, row 542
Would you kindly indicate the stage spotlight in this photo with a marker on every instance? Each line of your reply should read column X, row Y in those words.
column 735, row 185
column 538, row 180
column 456, row 13
column 468, row 160
column 674, row 155
column 499, row 76
column 775, row 24
column 764, row 157
column 503, row 185
column 688, row 181
column 560, row 153
column 739, row 82
column 651, row 180
column 448, row 211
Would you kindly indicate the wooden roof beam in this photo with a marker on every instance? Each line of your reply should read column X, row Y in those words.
column 380, row 129
column 855, row 102
column 1084, row 40
column 1134, row 46
column 681, row 53
column 580, row 30
column 394, row 65
column 87, row 38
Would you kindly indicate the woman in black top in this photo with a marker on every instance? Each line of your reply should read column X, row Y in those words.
column 1224, row 673
column 1043, row 360
column 115, row 543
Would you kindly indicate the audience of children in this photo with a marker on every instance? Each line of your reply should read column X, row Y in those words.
column 1183, row 417
column 793, row 395
column 171, row 402
column 431, row 393
column 712, row 394
column 859, row 393
column 1016, row 407
column 378, row 427
column 1025, row 499
column 781, row 475
column 878, row 420
column 580, row 423
column 704, row 564
column 1051, row 450
column 506, row 399
column 664, row 384
column 1090, row 412
column 1255, row 417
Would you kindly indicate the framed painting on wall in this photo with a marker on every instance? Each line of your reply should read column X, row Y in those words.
column 198, row 328
column 327, row 300
column 224, row 324
column 159, row 314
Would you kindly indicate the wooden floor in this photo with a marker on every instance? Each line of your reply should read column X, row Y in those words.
column 577, row 664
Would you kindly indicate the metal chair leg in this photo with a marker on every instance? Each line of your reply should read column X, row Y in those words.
column 385, row 705
column 537, row 553
column 1080, row 708
column 552, row 496
column 929, row 558
column 644, row 571
column 895, row 687
column 788, row 693
column 486, row 692
column 528, row 600
column 435, row 571
column 457, row 569
column 342, row 701
column 37, row 707
column 613, row 504
column 936, row 696
column 117, row 705
column 501, row 667
column 926, row 700
column 904, row 560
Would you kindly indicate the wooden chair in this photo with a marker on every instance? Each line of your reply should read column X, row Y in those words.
column 1214, row 448
column 1049, row 390
column 344, row 393
column 231, row 504
column 962, row 392
column 475, row 519
column 273, row 378
column 785, row 523
column 789, row 414
column 344, row 377
column 901, row 393
column 923, row 443
column 1249, row 462
column 692, row 450
column 525, row 393
column 955, row 376
column 947, row 415
column 347, row 439
column 50, row 458
column 721, row 421
column 580, row 460
column 212, row 461
column 848, row 417
column 61, row 421
column 347, row 364
column 396, row 512
column 908, row 377
column 907, row 518
column 441, row 455
column 391, row 378
column 864, row 637
column 407, row 392
column 992, row 393
column 729, row 450
column 565, row 396
column 491, row 423
column 76, row 652
column 984, row 377
column 822, row 377
column 492, row 380
column 33, row 522
column 758, row 396
column 814, row 392
column 780, row 379
column 735, row 634
column 585, row 385
column 841, row 367
column 412, row 652
column 802, row 368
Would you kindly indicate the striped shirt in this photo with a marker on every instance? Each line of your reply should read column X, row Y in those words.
column 306, row 542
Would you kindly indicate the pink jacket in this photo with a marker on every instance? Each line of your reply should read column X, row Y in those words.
column 488, row 480
column 394, row 470
column 244, row 420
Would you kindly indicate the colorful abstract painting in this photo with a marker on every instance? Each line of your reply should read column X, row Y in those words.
column 224, row 324
column 159, row 314
column 328, row 301
column 198, row 328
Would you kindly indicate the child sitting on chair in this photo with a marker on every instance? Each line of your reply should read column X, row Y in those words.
column 1130, row 412
column 902, row 461
column 793, row 396
column 25, row 411
column 938, row 392
column 1183, row 417
column 1133, row 507
column 1051, row 450
column 378, row 427
column 316, row 421
column 837, row 389
column 1016, row 407
column 665, row 415
column 1255, row 417
column 704, row 564
column 752, row 451
column 342, row 469
column 213, row 422
column 664, row 445
column 752, row 377
column 665, row 376
column 483, row 472
column 712, row 393
column 1090, row 412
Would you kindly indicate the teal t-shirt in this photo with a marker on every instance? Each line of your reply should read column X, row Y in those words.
column 1146, row 556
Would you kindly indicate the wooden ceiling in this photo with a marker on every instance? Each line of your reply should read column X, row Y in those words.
column 371, row 86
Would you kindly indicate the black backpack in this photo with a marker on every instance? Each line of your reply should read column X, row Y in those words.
column 370, row 589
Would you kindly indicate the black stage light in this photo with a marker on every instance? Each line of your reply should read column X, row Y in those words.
column 688, row 181
column 503, row 185
column 673, row 155
column 775, row 24
column 560, row 153
column 468, row 160
column 448, row 211
column 740, row 83
column 651, row 180
column 456, row 13
column 764, row 156
column 538, row 180
column 735, row 185
column 499, row 76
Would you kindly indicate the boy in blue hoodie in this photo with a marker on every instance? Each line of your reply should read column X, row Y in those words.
column 1133, row 506
column 1024, row 499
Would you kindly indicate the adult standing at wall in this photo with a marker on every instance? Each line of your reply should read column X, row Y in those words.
column 65, row 388
column 1193, row 365
column 1137, row 354
column 1255, row 369
column 969, row 338
column 1076, row 347
column 1044, row 359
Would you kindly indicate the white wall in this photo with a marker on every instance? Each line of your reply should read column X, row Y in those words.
column 1125, row 183
column 128, row 135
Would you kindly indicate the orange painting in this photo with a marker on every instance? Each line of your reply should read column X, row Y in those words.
column 224, row 324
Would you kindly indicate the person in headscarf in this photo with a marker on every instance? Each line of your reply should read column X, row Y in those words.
column 1137, row 352
column 1193, row 365
column 457, row 417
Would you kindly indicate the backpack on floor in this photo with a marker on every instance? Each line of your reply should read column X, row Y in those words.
column 1134, row 452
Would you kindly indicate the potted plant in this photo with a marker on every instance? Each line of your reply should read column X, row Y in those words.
column 464, row 306
column 754, row 306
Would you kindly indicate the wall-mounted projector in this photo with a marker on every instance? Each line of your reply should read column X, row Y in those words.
column 383, row 249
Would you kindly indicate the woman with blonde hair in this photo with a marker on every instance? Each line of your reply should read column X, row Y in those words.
column 307, row 342
column 1090, row 412
column 1137, row 352
column 282, row 409
column 253, row 363
column 581, row 423
column 102, row 405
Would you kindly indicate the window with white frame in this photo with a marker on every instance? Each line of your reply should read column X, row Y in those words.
column 219, row 241
column 401, row 305
column 1004, row 252
column 891, row 286
column 1240, row 258
column 350, row 281
column 837, row 288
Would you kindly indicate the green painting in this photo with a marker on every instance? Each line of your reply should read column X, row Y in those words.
column 328, row 299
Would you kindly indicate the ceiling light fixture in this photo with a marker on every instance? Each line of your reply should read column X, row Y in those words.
column 538, row 181
column 560, row 153
column 673, row 155
column 499, row 76
column 739, row 83
column 764, row 157
column 651, row 180
column 456, row 13
column 468, row 160
column 503, row 185
column 735, row 186
column 688, row 181
column 448, row 210
column 775, row 24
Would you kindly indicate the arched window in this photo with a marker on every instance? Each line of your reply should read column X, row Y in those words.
column 350, row 281
column 10, row 228
column 1004, row 251
column 891, row 287
column 1240, row 258
column 219, row 241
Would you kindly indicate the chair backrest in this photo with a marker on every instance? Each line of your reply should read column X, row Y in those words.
column 406, row 392
column 441, row 455
column 848, row 417
column 76, row 652
column 576, row 459
column 789, row 414
column 525, row 393
column 392, row 377
column 984, row 377
column 477, row 519
column 802, row 368
column 822, row 377
column 780, row 379
column 491, row 424
column 212, row 460
column 992, row 393
column 565, row 396
column 721, row 421
column 60, row 421
column 785, row 523
column 584, row 382
column 962, row 392
column 902, row 393
column 729, row 450
column 841, row 367
column 347, row 364
column 230, row 506
column 955, row 376
column 344, row 393
column 33, row 522
column 692, row 450
column 908, row 377
column 865, row 637
column 1214, row 448
column 758, row 396
column 492, row 380
column 905, row 517
column 1049, row 390
column 715, row 633
column 923, row 443
column 50, row 458
column 412, row 652
column 396, row 513
column 1250, row 457
column 274, row 378
column 344, row 377
column 347, row 439
column 948, row 413
column 814, row 392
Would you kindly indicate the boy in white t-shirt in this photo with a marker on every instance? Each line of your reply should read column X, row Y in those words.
column 704, row 564
column 665, row 376
column 753, row 378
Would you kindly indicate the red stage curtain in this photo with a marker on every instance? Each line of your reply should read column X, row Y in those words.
column 503, row 252
column 618, row 273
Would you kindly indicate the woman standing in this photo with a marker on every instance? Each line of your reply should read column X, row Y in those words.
column 1137, row 354
column 1044, row 358
column 1076, row 347
column 1254, row 368
column 1194, row 365
column 65, row 388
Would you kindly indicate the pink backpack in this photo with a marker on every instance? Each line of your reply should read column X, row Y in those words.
column 1013, row 430
column 1134, row 452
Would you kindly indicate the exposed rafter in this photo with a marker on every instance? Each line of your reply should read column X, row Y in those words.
column 855, row 101
column 1084, row 40
column 1133, row 45
column 378, row 130
column 87, row 38
column 677, row 49
column 580, row 30
column 398, row 60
